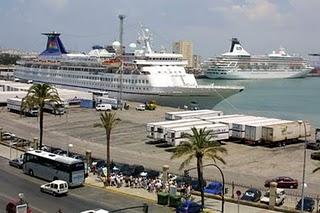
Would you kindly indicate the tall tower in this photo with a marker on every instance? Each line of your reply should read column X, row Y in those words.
column 186, row 49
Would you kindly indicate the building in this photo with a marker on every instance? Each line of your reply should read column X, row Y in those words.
column 186, row 49
column 196, row 62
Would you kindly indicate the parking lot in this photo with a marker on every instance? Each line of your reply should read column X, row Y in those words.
column 246, row 165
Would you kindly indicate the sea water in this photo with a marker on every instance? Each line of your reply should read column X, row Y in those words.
column 295, row 99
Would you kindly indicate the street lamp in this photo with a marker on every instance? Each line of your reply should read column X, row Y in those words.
column 304, row 165
column 222, row 176
column 70, row 145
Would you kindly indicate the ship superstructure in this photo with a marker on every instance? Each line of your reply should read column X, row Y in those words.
column 239, row 64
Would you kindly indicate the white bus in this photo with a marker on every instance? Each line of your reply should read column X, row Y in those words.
column 51, row 167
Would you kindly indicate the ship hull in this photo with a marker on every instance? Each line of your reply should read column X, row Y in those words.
column 249, row 74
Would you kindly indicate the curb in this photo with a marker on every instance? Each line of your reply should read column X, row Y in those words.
column 120, row 192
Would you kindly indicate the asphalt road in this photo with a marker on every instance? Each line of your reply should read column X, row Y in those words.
column 13, row 181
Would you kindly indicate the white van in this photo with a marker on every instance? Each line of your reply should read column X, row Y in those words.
column 56, row 187
column 103, row 107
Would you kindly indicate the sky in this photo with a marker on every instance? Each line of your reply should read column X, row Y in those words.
column 260, row 25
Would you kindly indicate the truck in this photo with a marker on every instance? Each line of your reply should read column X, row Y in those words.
column 14, row 105
column 56, row 108
column 285, row 131
column 176, row 135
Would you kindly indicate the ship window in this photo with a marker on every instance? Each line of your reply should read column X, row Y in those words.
column 147, row 81
column 139, row 81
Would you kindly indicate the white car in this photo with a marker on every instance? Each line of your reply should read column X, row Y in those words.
column 8, row 136
column 95, row 211
column 56, row 187
column 103, row 107
column 141, row 107
column 281, row 196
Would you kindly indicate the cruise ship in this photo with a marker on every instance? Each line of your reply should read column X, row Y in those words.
column 239, row 64
column 139, row 75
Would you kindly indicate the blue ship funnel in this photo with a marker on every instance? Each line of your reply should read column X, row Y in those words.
column 54, row 45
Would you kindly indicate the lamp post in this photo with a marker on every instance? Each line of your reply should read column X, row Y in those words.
column 304, row 165
column 222, row 176
column 70, row 145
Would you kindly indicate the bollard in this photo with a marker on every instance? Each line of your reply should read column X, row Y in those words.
column 88, row 157
column 35, row 143
column 272, row 195
column 165, row 169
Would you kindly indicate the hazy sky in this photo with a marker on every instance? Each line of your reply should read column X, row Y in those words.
column 261, row 25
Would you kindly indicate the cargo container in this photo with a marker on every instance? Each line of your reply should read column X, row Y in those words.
column 176, row 135
column 210, row 117
column 197, row 114
column 287, row 131
column 152, row 128
column 162, row 130
column 230, row 121
column 15, row 105
column 172, row 115
column 253, row 132
column 84, row 103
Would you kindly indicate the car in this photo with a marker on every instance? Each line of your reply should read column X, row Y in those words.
column 56, row 187
column 95, row 211
column 281, row 196
column 189, row 207
column 141, row 107
column 18, row 162
column 308, row 204
column 283, row 182
column 214, row 187
column 8, row 136
column 251, row 194
column 103, row 107
column 313, row 146
column 315, row 156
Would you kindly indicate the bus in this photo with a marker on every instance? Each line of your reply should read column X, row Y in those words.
column 51, row 167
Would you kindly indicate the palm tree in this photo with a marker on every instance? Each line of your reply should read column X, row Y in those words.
column 37, row 96
column 316, row 169
column 200, row 144
column 108, row 121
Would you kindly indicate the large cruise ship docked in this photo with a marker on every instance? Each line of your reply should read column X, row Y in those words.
column 239, row 64
column 145, row 75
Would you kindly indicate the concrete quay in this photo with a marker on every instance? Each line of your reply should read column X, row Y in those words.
column 246, row 166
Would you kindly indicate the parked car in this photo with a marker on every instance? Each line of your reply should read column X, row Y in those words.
column 189, row 207
column 214, row 188
column 141, row 107
column 103, row 107
column 308, row 204
column 283, row 182
column 56, row 187
column 196, row 186
column 252, row 194
column 281, row 196
column 315, row 156
column 313, row 146
column 8, row 136
column 18, row 162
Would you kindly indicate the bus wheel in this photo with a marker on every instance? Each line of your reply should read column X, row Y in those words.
column 30, row 172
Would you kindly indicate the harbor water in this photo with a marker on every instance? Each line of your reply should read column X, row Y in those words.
column 296, row 99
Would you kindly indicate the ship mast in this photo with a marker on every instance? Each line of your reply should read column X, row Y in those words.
column 121, row 17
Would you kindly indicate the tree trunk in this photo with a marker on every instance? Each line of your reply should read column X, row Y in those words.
column 41, row 127
column 200, row 179
column 108, row 133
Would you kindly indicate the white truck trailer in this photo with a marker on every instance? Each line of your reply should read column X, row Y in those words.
column 162, row 130
column 56, row 108
column 196, row 114
column 152, row 128
column 107, row 100
column 172, row 115
column 176, row 135
column 253, row 132
column 210, row 117
column 287, row 131
column 14, row 105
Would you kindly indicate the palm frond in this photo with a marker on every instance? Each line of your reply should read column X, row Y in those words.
column 316, row 169
column 186, row 162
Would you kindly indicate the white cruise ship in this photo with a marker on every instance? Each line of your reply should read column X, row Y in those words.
column 146, row 75
column 239, row 64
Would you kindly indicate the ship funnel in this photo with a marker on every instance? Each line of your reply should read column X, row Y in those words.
column 54, row 45
column 234, row 41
